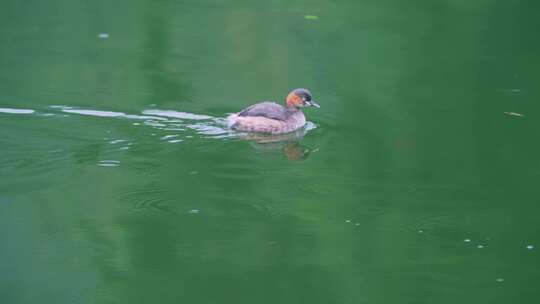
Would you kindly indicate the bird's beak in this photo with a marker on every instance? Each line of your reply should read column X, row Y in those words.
column 313, row 103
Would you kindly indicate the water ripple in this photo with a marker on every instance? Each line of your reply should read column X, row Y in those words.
column 175, row 114
column 16, row 111
column 94, row 113
column 145, row 199
column 109, row 163
column 162, row 120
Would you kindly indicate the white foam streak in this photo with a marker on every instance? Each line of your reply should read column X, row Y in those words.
column 310, row 126
column 98, row 113
column 207, row 129
column 109, row 163
column 94, row 113
column 175, row 114
column 144, row 117
column 16, row 111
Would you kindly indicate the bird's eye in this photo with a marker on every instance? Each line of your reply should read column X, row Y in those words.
column 307, row 98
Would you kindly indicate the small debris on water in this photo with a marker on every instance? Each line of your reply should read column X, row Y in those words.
column 311, row 17
column 530, row 247
column 480, row 246
column 103, row 35
column 194, row 211
column 514, row 114
column 357, row 224
column 500, row 280
column 467, row 240
column 420, row 231
column 347, row 221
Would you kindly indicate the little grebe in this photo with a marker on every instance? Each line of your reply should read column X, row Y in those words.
column 270, row 117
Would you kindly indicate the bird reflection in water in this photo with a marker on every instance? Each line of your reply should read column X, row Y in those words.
column 288, row 143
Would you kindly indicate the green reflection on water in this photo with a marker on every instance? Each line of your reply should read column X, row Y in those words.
column 412, row 153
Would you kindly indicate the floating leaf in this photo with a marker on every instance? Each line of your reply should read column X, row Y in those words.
column 311, row 17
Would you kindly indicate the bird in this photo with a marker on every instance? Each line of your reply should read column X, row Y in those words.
column 272, row 118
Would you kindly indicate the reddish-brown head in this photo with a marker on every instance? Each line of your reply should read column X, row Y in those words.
column 299, row 98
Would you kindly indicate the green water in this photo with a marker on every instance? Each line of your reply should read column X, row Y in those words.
column 119, row 182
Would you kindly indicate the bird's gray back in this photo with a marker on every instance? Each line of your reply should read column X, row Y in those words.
column 266, row 109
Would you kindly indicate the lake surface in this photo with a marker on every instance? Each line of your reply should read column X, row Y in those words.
column 416, row 181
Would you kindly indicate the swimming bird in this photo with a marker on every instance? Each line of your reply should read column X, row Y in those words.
column 272, row 118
